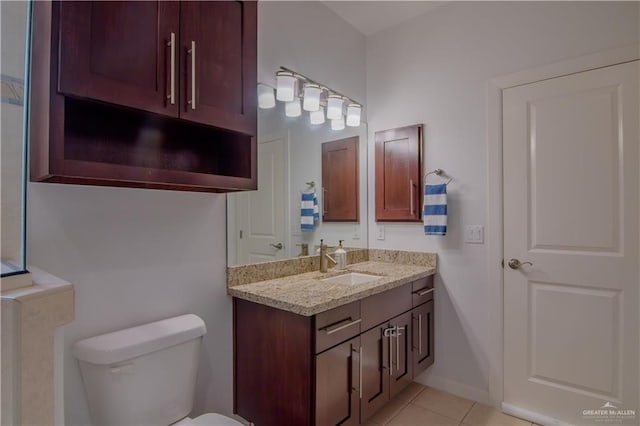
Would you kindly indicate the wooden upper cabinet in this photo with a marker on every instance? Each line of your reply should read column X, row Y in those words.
column 218, row 50
column 118, row 52
column 399, row 174
column 340, row 182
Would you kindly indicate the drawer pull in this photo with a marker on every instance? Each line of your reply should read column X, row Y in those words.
column 423, row 292
column 340, row 325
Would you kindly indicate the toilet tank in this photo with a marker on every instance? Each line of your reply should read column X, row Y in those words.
column 143, row 375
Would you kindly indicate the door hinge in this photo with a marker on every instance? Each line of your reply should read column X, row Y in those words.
column 501, row 262
column 241, row 238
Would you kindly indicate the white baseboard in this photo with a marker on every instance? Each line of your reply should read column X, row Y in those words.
column 531, row 416
column 455, row 388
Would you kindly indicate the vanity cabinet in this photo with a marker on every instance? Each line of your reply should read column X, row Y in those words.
column 398, row 171
column 157, row 94
column 337, row 374
column 341, row 365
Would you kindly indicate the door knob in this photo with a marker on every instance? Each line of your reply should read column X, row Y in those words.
column 278, row 246
column 516, row 264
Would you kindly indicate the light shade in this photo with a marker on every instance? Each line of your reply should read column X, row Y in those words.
column 285, row 86
column 334, row 107
column 311, row 97
column 354, row 112
column 337, row 124
column 317, row 117
column 266, row 98
column 293, row 109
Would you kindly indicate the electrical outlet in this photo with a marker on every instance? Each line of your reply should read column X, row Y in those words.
column 356, row 233
column 381, row 232
column 474, row 234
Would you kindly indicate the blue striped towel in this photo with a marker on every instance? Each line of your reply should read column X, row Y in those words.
column 309, row 212
column 435, row 209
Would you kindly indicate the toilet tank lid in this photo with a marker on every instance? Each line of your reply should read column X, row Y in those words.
column 132, row 342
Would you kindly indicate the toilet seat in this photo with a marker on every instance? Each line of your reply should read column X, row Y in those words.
column 209, row 419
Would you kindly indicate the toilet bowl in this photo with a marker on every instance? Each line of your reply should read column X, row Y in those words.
column 145, row 375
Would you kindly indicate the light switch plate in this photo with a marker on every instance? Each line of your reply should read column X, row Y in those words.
column 474, row 234
column 381, row 232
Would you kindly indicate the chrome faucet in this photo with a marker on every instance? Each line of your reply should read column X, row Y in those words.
column 324, row 257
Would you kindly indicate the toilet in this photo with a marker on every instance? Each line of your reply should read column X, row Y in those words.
column 145, row 375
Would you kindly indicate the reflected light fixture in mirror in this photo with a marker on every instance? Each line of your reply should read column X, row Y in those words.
column 266, row 98
column 293, row 109
column 337, row 124
column 354, row 111
column 317, row 117
column 285, row 86
column 334, row 107
column 311, row 97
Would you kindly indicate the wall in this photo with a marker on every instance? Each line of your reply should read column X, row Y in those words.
column 140, row 255
column 433, row 70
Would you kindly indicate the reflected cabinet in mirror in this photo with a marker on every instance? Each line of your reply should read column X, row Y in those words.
column 312, row 185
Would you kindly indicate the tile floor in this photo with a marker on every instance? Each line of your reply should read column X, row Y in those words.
column 418, row 405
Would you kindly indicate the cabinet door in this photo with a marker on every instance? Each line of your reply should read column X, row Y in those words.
column 119, row 52
column 338, row 385
column 340, row 186
column 375, row 370
column 401, row 361
column 423, row 348
column 218, row 52
column 398, row 174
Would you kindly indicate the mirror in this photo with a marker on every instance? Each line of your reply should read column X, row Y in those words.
column 14, row 39
column 266, row 224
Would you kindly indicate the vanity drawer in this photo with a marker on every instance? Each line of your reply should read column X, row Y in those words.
column 337, row 325
column 383, row 306
column 422, row 290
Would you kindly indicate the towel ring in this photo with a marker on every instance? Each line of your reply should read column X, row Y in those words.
column 437, row 172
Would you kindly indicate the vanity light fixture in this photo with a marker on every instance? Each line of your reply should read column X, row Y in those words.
column 302, row 93
column 354, row 111
column 285, row 86
column 292, row 109
column 266, row 98
column 337, row 124
column 334, row 107
column 311, row 97
column 317, row 117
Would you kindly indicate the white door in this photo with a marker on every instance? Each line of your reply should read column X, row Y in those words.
column 571, row 209
column 262, row 214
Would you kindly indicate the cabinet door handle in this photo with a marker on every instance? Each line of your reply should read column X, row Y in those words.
column 324, row 202
column 420, row 334
column 411, row 196
column 172, row 71
column 398, row 334
column 423, row 292
column 391, row 335
column 361, row 355
column 340, row 325
column 192, row 52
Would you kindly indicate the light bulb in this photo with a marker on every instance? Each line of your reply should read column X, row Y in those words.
column 354, row 112
column 266, row 99
column 292, row 109
column 311, row 97
column 334, row 107
column 317, row 117
column 337, row 124
column 285, row 86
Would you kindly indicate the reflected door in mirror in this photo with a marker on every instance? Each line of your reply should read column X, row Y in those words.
column 340, row 180
column 261, row 214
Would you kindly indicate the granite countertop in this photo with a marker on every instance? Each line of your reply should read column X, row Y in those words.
column 305, row 294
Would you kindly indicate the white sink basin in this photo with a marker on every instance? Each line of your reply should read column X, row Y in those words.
column 352, row 278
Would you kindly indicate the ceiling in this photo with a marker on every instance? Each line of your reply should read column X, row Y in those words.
column 369, row 17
